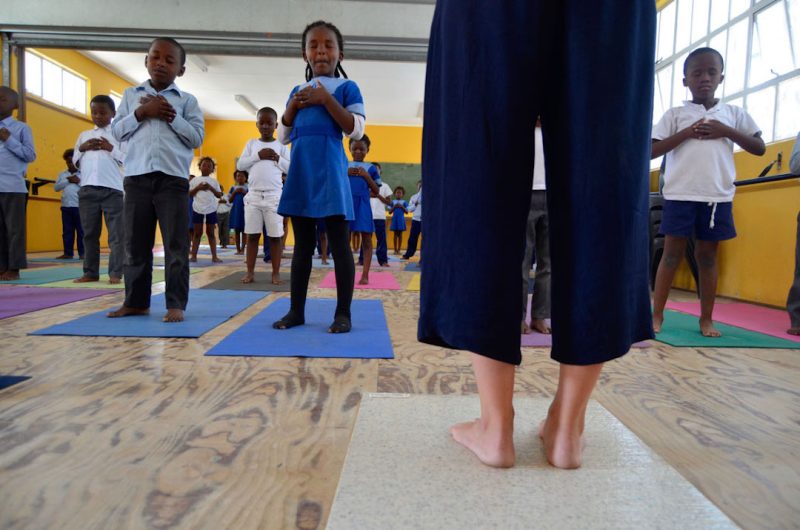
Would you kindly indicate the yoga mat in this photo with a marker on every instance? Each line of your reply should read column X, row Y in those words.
column 369, row 338
column 42, row 265
column 263, row 282
column 413, row 267
column 317, row 263
column 20, row 300
column 680, row 329
column 8, row 380
column 158, row 276
column 772, row 322
column 403, row 470
column 207, row 309
column 413, row 285
column 48, row 275
column 377, row 280
column 541, row 340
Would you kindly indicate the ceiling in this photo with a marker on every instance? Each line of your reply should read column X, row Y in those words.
column 392, row 91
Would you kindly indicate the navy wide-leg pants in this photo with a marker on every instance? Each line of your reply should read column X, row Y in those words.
column 587, row 69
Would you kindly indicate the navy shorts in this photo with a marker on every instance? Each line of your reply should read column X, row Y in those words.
column 692, row 218
column 199, row 218
column 587, row 69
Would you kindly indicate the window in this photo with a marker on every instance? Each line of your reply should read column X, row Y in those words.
column 760, row 41
column 50, row 81
column 117, row 98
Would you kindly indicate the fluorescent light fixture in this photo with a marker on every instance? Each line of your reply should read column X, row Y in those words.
column 245, row 103
column 199, row 61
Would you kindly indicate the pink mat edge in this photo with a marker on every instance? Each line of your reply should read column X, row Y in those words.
column 329, row 281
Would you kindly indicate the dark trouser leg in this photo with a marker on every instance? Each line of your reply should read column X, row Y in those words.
column 140, row 235
column 90, row 204
column 222, row 225
column 67, row 231
column 112, row 211
column 170, row 200
column 413, row 238
column 381, row 250
column 527, row 258
column 304, row 239
column 76, row 222
column 793, row 301
column 540, row 306
column 12, row 231
column 345, row 270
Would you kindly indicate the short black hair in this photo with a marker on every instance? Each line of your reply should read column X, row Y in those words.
column 68, row 153
column 702, row 51
column 203, row 159
column 8, row 90
column 174, row 43
column 364, row 139
column 269, row 110
column 400, row 188
column 106, row 100
column 237, row 171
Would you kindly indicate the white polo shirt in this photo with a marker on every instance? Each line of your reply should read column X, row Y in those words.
column 264, row 175
column 204, row 201
column 379, row 208
column 701, row 170
column 100, row 168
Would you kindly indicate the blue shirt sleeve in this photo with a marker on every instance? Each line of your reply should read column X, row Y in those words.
column 376, row 177
column 353, row 102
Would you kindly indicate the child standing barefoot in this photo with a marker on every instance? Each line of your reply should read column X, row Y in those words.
column 398, row 210
column 364, row 180
column 206, row 192
column 236, row 197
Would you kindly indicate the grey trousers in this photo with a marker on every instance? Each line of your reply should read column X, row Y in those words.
column 150, row 198
column 537, row 237
column 12, row 231
column 94, row 203
column 793, row 301
column 224, row 230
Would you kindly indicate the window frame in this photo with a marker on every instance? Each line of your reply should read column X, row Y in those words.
column 85, row 112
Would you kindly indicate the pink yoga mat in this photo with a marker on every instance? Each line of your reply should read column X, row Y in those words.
column 377, row 280
column 540, row 340
column 764, row 320
column 16, row 300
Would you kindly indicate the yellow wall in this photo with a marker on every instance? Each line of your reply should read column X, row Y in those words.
column 758, row 265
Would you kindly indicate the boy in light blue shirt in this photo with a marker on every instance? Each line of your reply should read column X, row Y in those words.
column 162, row 125
column 69, row 184
column 16, row 152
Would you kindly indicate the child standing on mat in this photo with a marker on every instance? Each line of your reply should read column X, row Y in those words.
column 317, row 114
column 68, row 183
column 698, row 139
column 378, row 202
column 16, row 152
column 100, row 157
column 162, row 125
column 236, row 197
column 206, row 192
column 398, row 209
column 223, row 213
column 266, row 160
column 415, row 207
column 364, row 180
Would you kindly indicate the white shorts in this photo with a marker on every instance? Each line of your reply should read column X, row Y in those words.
column 261, row 209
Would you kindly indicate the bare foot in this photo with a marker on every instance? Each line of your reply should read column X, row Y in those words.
column 63, row 256
column 113, row 280
column 658, row 321
column 524, row 328
column 793, row 331
column 324, row 261
column 707, row 329
column 495, row 449
column 385, row 265
column 193, row 259
column 540, row 326
column 564, row 449
column 239, row 252
column 216, row 260
column 9, row 275
column 276, row 279
column 86, row 279
column 364, row 280
column 249, row 277
column 173, row 315
column 126, row 311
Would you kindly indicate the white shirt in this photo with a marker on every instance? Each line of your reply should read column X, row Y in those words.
column 204, row 201
column 538, row 161
column 100, row 168
column 265, row 175
column 701, row 170
column 415, row 206
column 379, row 208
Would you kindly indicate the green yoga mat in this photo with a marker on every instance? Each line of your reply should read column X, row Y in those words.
column 158, row 276
column 263, row 282
column 681, row 329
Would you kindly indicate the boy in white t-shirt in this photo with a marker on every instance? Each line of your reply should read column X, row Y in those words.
column 697, row 140
column 205, row 192
column 266, row 160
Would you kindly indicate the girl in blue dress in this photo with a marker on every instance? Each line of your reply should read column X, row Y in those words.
column 364, row 179
column 399, row 208
column 236, row 217
column 317, row 113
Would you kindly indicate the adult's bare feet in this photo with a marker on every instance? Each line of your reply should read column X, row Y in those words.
column 216, row 260
column 524, row 328
column 276, row 278
column 793, row 331
column 707, row 329
column 9, row 275
column 125, row 311
column 540, row 326
column 658, row 321
column 86, row 279
column 249, row 277
column 494, row 447
column 173, row 315
column 563, row 445
column 113, row 280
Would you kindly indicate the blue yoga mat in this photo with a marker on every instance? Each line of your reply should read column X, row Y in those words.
column 8, row 380
column 207, row 309
column 49, row 275
column 412, row 266
column 369, row 338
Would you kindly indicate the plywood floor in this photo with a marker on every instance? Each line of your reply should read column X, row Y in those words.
column 149, row 433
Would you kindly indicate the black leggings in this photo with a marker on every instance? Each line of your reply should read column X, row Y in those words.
column 305, row 239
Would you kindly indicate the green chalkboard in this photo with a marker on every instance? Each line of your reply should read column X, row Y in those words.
column 406, row 175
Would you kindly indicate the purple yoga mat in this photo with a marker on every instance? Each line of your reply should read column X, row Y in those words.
column 17, row 300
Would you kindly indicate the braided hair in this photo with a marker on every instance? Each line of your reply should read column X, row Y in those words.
column 340, row 41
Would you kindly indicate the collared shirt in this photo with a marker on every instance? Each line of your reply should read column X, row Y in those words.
column 69, row 190
column 205, row 202
column 101, row 167
column 15, row 155
column 155, row 145
column 415, row 205
column 264, row 175
column 378, row 207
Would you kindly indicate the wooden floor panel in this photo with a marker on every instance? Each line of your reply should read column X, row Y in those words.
column 149, row 433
